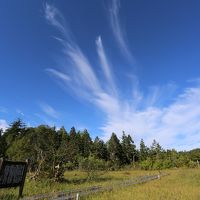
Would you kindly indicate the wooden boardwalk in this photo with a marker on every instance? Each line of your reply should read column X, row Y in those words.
column 78, row 193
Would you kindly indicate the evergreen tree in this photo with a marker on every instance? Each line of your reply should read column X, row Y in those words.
column 16, row 130
column 143, row 151
column 61, row 135
column 128, row 148
column 155, row 150
column 85, row 144
column 99, row 149
column 73, row 145
column 115, row 150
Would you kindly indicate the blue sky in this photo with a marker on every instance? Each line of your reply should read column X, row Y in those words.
column 107, row 66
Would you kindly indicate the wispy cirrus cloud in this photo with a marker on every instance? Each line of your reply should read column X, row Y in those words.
column 105, row 65
column 80, row 68
column 143, row 115
column 58, row 74
column 118, row 31
column 49, row 110
column 174, row 126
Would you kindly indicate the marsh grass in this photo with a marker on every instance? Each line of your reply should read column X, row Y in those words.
column 181, row 184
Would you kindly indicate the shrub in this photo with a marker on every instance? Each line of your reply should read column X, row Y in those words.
column 92, row 166
column 146, row 164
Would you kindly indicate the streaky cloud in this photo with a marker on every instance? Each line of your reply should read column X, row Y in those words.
column 105, row 65
column 85, row 76
column 118, row 31
column 49, row 110
column 58, row 74
column 173, row 125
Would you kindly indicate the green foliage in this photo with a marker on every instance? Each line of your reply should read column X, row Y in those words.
column 92, row 166
column 52, row 151
column 99, row 149
column 85, row 144
column 128, row 148
column 143, row 153
column 146, row 164
column 115, row 150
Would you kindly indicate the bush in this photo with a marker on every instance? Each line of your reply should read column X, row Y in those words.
column 192, row 164
column 146, row 164
column 167, row 164
column 92, row 166
column 158, row 164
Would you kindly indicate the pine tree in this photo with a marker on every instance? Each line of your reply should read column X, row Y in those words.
column 143, row 154
column 85, row 144
column 16, row 130
column 128, row 148
column 155, row 150
column 73, row 145
column 99, row 149
column 115, row 150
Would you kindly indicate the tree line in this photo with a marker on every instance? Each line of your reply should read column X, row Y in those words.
column 51, row 151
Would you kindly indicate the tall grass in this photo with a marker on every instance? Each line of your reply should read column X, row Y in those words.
column 181, row 184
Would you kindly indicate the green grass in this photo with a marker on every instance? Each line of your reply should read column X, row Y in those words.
column 181, row 184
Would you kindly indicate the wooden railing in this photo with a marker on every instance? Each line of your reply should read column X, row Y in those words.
column 78, row 193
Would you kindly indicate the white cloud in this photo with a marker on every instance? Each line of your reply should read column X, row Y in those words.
column 176, row 125
column 117, row 29
column 148, row 116
column 49, row 110
column 79, row 67
column 3, row 124
column 58, row 74
column 53, row 15
column 105, row 65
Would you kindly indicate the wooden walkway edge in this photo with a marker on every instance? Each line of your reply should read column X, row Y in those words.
column 78, row 193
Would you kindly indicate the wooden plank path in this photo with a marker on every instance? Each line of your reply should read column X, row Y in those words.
column 78, row 193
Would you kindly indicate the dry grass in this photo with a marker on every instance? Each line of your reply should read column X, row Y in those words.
column 181, row 184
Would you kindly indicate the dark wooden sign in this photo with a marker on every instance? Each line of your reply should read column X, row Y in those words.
column 13, row 174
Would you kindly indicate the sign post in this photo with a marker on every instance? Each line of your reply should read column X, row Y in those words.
column 13, row 174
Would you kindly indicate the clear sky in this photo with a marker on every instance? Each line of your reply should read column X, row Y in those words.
column 104, row 65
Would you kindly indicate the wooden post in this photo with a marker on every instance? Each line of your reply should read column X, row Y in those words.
column 21, row 187
column 1, row 163
column 13, row 174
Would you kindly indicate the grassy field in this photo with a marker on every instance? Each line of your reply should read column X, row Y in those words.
column 181, row 184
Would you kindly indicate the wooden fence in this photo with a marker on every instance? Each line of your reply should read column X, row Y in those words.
column 78, row 193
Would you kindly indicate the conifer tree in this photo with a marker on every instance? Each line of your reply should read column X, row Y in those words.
column 128, row 148
column 115, row 150
column 99, row 149
column 85, row 144
column 143, row 154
